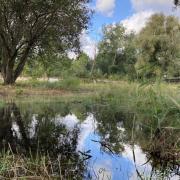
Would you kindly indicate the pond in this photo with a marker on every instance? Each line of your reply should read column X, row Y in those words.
column 91, row 141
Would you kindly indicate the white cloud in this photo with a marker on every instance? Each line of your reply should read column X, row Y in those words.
column 88, row 45
column 140, row 160
column 87, row 128
column 137, row 21
column 144, row 9
column 151, row 4
column 164, row 6
column 106, row 7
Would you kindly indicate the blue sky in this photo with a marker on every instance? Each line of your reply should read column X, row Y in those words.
column 133, row 14
column 122, row 10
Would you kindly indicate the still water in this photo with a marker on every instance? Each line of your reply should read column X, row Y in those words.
column 92, row 141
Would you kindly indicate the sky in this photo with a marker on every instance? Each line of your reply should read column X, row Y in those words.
column 133, row 14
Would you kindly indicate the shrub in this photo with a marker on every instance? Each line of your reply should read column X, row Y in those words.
column 70, row 83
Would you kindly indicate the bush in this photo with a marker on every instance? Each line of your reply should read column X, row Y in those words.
column 70, row 83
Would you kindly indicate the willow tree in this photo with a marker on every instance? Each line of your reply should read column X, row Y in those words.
column 30, row 26
column 159, row 47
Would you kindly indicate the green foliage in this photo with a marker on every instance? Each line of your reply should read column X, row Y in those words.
column 146, row 56
column 32, row 27
column 151, row 103
column 159, row 47
column 117, row 52
column 48, row 65
column 113, row 40
column 79, row 66
column 70, row 83
column 51, row 65
column 151, row 54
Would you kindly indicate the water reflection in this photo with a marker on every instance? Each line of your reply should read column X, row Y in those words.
column 30, row 134
column 101, row 142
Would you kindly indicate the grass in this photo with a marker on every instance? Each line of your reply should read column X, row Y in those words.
column 72, row 85
column 40, row 167
column 69, row 83
column 157, row 101
column 35, row 87
column 153, row 99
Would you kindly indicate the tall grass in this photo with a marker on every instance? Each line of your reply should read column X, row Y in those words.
column 69, row 83
column 155, row 102
column 16, row 166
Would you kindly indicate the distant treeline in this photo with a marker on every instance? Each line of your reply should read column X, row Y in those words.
column 152, row 53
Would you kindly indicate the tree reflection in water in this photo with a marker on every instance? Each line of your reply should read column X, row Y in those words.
column 39, row 134
column 161, row 148
column 41, row 131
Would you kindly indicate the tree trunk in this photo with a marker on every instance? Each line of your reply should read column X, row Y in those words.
column 8, row 76
column 9, row 80
column 9, row 73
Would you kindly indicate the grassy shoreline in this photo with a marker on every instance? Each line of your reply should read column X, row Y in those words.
column 75, row 87
column 133, row 96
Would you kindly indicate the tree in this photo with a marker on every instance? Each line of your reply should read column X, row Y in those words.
column 30, row 26
column 116, row 51
column 80, row 65
column 48, row 65
column 158, row 47
column 109, row 47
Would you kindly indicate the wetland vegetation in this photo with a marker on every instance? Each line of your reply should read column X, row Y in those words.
column 70, row 115
column 125, row 130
